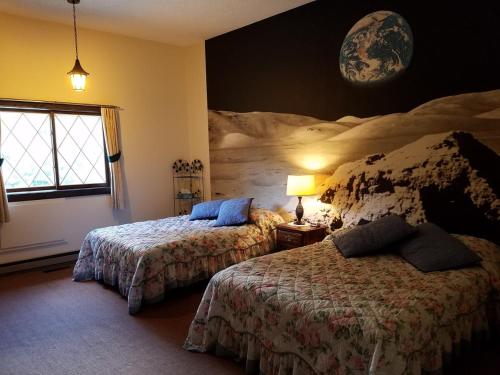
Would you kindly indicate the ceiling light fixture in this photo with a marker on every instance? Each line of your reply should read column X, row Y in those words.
column 78, row 74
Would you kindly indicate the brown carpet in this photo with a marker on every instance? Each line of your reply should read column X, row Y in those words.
column 52, row 325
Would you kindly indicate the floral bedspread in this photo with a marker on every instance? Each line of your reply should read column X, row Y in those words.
column 312, row 311
column 145, row 259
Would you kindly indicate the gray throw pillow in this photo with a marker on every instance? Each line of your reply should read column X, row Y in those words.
column 372, row 237
column 432, row 249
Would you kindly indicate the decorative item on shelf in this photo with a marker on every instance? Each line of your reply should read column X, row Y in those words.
column 184, row 194
column 181, row 168
column 196, row 167
column 78, row 74
column 300, row 186
column 188, row 185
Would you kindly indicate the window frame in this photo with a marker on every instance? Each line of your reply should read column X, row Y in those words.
column 57, row 190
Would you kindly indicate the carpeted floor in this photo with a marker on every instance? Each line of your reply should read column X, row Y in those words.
column 52, row 325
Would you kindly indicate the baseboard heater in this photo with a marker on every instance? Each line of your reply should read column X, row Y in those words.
column 34, row 245
column 39, row 262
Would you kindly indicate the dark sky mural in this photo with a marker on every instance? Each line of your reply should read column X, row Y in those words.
column 290, row 63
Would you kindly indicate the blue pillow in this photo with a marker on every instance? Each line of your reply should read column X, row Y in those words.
column 234, row 212
column 206, row 210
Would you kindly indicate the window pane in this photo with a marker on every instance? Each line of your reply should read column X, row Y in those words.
column 26, row 146
column 80, row 149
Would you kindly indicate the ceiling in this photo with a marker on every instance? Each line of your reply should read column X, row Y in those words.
column 178, row 22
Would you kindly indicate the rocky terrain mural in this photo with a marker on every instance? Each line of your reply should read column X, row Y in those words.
column 450, row 179
column 252, row 153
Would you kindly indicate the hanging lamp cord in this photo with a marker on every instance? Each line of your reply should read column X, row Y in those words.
column 74, row 28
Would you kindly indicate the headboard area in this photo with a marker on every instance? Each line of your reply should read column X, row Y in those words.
column 393, row 106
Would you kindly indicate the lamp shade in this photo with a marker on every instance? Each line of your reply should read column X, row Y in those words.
column 78, row 76
column 300, row 185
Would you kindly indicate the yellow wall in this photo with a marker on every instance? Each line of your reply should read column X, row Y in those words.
column 162, row 90
column 197, row 109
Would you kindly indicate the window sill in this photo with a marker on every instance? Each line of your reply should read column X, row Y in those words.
column 51, row 194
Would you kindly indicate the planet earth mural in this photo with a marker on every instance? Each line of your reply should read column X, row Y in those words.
column 378, row 48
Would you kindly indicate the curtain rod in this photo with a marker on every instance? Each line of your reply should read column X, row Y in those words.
column 20, row 101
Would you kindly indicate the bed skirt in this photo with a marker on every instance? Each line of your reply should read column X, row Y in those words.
column 148, row 281
column 259, row 357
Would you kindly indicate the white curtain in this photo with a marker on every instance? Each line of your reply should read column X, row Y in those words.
column 4, row 208
column 111, row 132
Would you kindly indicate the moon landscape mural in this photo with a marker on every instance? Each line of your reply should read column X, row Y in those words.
column 252, row 153
column 378, row 48
column 405, row 129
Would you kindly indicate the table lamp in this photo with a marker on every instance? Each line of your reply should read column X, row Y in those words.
column 300, row 186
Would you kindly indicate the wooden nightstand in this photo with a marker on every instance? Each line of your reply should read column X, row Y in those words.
column 290, row 236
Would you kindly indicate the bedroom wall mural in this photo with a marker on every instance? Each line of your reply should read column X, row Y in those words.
column 394, row 106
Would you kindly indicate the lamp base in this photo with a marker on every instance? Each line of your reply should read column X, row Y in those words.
column 299, row 213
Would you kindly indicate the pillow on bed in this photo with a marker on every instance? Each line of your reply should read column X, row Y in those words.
column 234, row 212
column 372, row 237
column 432, row 249
column 206, row 210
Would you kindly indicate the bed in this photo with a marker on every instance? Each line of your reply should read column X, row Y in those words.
column 311, row 311
column 146, row 259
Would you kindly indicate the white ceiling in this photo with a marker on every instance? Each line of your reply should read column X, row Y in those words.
column 178, row 22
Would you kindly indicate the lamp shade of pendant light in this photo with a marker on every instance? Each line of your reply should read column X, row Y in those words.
column 78, row 75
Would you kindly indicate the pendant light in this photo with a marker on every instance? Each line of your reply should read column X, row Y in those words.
column 78, row 74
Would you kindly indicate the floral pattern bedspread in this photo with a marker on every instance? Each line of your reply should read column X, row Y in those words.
column 312, row 311
column 145, row 259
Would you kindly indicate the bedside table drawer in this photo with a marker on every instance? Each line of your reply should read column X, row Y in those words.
column 290, row 238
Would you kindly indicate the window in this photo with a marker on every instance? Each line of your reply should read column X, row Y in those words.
column 52, row 150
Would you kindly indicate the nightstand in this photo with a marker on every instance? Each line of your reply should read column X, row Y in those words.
column 290, row 236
